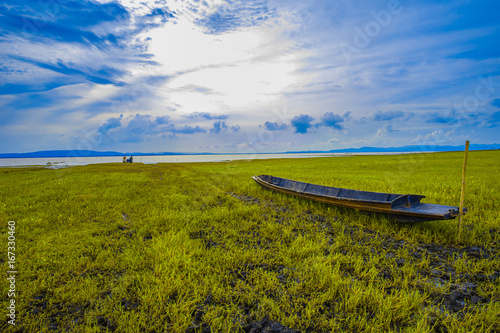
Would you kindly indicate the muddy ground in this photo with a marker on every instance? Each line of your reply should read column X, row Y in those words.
column 461, row 295
column 440, row 271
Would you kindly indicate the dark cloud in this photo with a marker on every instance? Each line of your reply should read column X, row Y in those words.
column 390, row 115
column 235, row 14
column 302, row 123
column 333, row 120
column 274, row 126
column 219, row 127
column 143, row 127
column 163, row 120
column 110, row 124
column 206, row 115
column 443, row 118
column 455, row 117
column 186, row 129
column 139, row 129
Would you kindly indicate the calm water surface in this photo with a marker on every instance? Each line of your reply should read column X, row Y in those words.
column 57, row 162
column 60, row 162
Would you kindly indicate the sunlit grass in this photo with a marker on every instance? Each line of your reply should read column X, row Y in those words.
column 176, row 247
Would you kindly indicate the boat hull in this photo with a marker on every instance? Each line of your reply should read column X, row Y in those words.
column 401, row 207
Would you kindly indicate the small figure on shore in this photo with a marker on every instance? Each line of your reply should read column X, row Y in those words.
column 128, row 160
column 124, row 159
column 131, row 159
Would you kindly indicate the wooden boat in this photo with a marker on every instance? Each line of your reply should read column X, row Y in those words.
column 402, row 207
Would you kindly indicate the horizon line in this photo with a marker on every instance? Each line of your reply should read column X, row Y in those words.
column 402, row 149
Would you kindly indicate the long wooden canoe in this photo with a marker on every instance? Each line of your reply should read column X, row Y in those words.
column 402, row 207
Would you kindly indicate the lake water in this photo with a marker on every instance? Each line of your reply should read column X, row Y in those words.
column 58, row 162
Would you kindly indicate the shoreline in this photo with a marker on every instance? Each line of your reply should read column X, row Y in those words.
column 60, row 162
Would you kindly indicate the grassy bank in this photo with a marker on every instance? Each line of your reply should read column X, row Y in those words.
column 200, row 247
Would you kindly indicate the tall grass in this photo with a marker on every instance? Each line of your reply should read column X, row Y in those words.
column 197, row 247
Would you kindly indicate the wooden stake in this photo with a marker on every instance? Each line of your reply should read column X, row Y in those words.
column 462, row 195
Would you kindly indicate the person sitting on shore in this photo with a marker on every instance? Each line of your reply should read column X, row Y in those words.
column 124, row 159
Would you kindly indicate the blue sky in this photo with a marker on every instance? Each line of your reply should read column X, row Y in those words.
column 247, row 76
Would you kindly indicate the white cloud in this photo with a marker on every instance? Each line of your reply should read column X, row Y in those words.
column 271, row 62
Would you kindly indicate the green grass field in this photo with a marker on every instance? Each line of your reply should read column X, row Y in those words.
column 201, row 247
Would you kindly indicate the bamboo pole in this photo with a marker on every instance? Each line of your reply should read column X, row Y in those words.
column 462, row 194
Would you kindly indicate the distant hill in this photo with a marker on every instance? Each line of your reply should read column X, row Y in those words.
column 61, row 153
column 403, row 149
column 76, row 153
